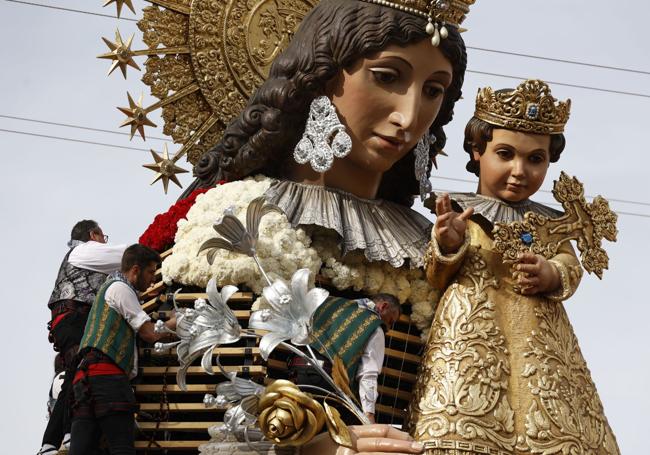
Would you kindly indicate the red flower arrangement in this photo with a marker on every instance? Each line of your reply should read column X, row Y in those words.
column 160, row 234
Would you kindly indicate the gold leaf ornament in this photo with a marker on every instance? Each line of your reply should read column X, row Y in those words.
column 337, row 429
column 287, row 416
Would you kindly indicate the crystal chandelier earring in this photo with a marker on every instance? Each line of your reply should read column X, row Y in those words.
column 422, row 150
column 324, row 138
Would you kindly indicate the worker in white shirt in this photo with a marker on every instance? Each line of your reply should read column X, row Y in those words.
column 352, row 330
column 103, row 397
column 82, row 272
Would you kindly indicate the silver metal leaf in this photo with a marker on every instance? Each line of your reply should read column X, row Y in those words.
column 254, row 213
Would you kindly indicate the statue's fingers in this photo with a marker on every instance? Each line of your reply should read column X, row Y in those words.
column 527, row 268
column 441, row 206
column 467, row 213
column 444, row 219
column 379, row 431
column 386, row 445
column 528, row 281
column 529, row 290
column 526, row 258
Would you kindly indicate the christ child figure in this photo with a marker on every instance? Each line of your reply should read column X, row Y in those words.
column 502, row 371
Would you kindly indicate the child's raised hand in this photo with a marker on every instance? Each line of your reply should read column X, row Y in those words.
column 535, row 274
column 450, row 226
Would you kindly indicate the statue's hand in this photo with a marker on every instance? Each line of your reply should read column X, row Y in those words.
column 367, row 439
column 535, row 274
column 450, row 226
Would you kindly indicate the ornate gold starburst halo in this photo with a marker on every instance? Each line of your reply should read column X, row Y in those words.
column 529, row 108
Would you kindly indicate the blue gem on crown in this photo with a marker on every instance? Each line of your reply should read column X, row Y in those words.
column 527, row 238
column 532, row 111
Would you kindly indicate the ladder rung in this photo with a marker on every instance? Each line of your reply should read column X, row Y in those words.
column 253, row 369
column 173, row 388
column 224, row 352
column 200, row 407
column 169, row 445
column 176, row 426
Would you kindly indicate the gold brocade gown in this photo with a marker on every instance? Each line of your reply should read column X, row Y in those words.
column 502, row 373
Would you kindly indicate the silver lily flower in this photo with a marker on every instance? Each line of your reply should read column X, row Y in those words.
column 234, row 236
column 242, row 415
column 204, row 327
column 233, row 390
column 290, row 315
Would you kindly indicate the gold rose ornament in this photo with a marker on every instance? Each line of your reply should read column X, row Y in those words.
column 287, row 416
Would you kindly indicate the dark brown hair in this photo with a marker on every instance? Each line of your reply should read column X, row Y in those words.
column 479, row 132
column 331, row 37
column 139, row 255
column 81, row 231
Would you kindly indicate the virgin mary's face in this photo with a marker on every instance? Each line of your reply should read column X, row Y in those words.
column 389, row 100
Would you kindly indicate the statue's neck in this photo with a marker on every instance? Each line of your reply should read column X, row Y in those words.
column 343, row 175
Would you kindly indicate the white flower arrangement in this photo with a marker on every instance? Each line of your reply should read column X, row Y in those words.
column 282, row 250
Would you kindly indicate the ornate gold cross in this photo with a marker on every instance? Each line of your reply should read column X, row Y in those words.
column 586, row 223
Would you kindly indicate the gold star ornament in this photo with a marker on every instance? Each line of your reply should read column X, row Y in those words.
column 136, row 116
column 120, row 4
column 120, row 53
column 165, row 169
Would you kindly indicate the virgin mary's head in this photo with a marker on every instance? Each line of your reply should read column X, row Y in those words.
column 333, row 38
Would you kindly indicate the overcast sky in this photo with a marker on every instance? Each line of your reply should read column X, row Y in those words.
column 49, row 72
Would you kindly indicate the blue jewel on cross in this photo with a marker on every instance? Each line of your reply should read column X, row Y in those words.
column 527, row 238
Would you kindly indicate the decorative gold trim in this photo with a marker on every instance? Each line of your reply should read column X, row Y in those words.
column 564, row 291
column 462, row 446
column 449, row 259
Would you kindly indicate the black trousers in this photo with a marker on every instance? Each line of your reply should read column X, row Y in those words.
column 66, row 337
column 117, row 428
column 103, row 405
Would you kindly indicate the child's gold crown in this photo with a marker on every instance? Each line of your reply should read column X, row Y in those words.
column 529, row 108
column 437, row 12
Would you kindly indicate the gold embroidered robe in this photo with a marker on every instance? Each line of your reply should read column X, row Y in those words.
column 502, row 373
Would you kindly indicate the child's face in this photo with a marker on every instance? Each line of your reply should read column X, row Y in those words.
column 514, row 164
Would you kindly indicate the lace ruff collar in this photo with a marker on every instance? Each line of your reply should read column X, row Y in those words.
column 383, row 230
column 495, row 210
